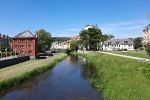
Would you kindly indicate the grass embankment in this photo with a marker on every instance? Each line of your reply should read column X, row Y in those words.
column 18, row 73
column 133, row 54
column 119, row 78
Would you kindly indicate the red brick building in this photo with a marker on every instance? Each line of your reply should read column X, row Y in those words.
column 26, row 43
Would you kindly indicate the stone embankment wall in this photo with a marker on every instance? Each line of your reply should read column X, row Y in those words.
column 13, row 61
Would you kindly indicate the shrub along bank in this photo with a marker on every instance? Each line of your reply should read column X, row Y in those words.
column 119, row 78
column 5, row 84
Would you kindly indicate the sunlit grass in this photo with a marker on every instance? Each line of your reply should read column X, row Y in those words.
column 119, row 78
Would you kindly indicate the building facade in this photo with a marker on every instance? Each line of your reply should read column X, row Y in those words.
column 59, row 45
column 146, row 33
column 4, row 40
column 26, row 43
column 118, row 44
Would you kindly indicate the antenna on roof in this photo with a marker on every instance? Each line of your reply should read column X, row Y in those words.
column 148, row 17
column 29, row 28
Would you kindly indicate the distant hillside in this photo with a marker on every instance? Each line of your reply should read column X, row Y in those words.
column 60, row 39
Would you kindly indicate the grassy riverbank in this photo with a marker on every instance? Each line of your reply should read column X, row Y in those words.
column 119, row 78
column 18, row 73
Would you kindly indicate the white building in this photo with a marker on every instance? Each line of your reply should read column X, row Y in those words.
column 118, row 44
column 59, row 45
column 89, row 26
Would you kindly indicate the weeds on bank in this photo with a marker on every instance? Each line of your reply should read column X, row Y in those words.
column 119, row 78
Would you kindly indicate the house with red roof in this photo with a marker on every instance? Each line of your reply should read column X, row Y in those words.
column 26, row 44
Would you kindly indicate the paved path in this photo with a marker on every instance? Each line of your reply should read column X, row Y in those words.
column 10, row 57
column 137, row 58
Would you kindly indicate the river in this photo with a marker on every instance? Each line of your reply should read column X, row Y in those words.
column 68, row 80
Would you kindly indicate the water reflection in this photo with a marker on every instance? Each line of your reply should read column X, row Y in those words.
column 68, row 80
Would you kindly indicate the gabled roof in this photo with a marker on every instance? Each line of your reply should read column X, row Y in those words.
column 25, row 34
column 118, row 42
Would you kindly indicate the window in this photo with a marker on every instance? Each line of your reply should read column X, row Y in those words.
column 129, row 45
column 15, row 45
column 21, row 52
column 21, row 46
column 30, row 45
column 30, row 52
column 30, row 40
column 21, row 40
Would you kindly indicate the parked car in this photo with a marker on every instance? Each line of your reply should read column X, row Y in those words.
column 47, row 53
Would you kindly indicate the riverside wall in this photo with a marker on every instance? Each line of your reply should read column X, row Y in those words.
column 13, row 61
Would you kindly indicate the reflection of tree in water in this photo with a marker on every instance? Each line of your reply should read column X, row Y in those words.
column 74, row 58
column 88, row 71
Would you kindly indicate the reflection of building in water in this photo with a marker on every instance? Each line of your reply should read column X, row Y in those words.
column 68, row 58
column 82, row 59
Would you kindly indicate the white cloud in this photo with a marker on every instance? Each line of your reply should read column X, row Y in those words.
column 132, row 27
column 124, row 29
column 107, row 30
column 72, row 29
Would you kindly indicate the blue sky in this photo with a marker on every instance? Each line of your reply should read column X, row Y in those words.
column 66, row 18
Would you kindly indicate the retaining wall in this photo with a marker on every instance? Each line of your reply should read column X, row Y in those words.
column 13, row 61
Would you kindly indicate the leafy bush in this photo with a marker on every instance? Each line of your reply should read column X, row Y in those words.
column 68, row 51
column 119, row 50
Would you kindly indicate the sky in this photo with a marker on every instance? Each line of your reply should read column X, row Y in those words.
column 66, row 18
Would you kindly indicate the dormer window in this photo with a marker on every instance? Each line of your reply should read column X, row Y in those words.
column 125, row 42
column 117, row 42
column 109, row 42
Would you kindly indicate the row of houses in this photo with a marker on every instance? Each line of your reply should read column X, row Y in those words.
column 112, row 44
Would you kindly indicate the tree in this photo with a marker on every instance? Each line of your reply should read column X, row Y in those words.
column 137, row 43
column 148, row 48
column 105, row 37
column 44, row 40
column 4, row 47
column 74, row 45
column 90, row 38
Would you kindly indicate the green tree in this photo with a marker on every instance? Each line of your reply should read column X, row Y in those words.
column 74, row 45
column 137, row 43
column 90, row 38
column 105, row 37
column 4, row 47
column 44, row 40
column 148, row 48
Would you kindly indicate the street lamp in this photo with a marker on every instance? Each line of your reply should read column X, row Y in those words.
column 15, row 51
column 1, row 54
column 6, row 52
